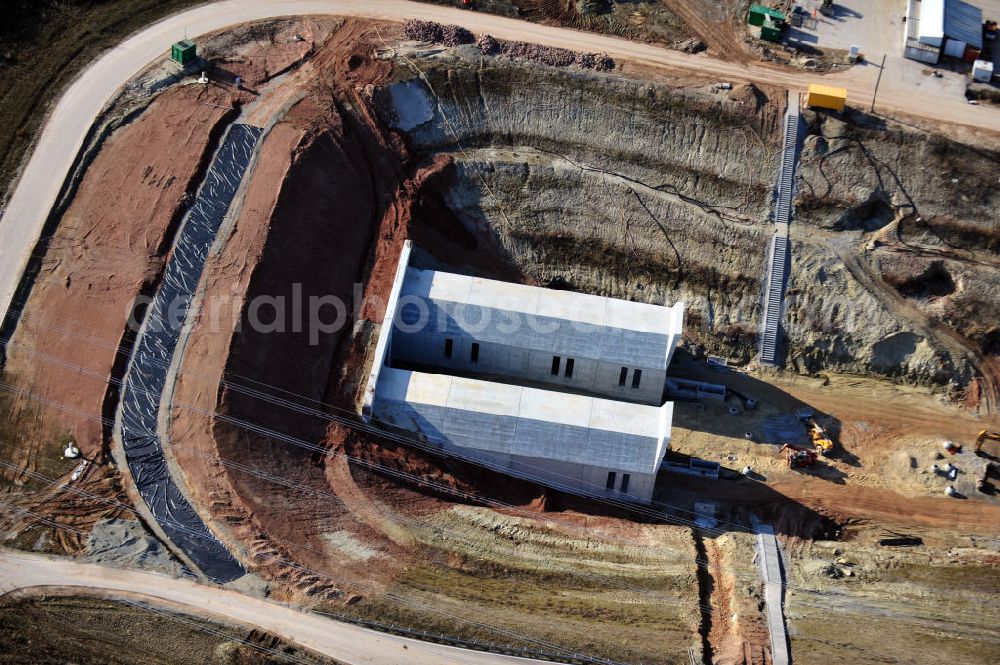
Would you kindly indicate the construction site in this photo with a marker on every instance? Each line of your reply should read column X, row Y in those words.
column 493, row 350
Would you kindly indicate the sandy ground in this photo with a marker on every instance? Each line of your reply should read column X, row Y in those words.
column 875, row 27
column 716, row 24
column 932, row 605
column 344, row 642
column 109, row 249
column 878, row 428
column 92, row 627
column 263, row 516
column 362, row 535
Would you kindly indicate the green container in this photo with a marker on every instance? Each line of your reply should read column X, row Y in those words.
column 771, row 30
column 183, row 52
column 770, row 34
column 759, row 14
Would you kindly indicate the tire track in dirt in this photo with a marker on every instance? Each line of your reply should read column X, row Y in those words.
column 886, row 507
column 720, row 33
column 783, row 492
column 361, row 505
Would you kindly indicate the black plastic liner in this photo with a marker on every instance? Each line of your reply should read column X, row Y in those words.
column 154, row 350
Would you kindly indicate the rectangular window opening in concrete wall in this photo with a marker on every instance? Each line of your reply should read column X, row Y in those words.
column 569, row 368
column 475, row 352
column 622, row 376
column 449, row 344
column 625, row 479
column 611, row 480
column 555, row 365
column 636, row 378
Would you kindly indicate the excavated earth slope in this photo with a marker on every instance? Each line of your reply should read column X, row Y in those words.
column 138, row 177
column 528, row 173
column 636, row 191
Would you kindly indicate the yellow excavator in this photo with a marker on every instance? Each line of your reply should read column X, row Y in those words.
column 819, row 437
column 984, row 436
column 817, row 434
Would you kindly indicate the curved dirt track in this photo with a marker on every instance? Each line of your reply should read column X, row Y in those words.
column 69, row 122
column 346, row 643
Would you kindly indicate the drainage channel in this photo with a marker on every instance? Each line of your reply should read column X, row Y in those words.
column 142, row 392
column 769, row 561
column 706, row 585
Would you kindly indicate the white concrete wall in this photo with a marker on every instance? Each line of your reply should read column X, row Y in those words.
column 427, row 349
column 583, row 478
column 571, row 477
column 560, row 462
column 383, row 347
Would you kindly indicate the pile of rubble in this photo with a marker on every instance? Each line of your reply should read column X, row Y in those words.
column 435, row 33
column 453, row 35
column 691, row 46
column 547, row 55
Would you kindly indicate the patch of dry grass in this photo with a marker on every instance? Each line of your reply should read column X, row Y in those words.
column 44, row 44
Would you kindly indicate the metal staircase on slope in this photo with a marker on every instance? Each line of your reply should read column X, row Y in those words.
column 786, row 179
column 774, row 299
column 779, row 250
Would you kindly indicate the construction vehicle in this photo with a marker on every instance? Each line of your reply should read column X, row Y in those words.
column 984, row 436
column 798, row 458
column 820, row 439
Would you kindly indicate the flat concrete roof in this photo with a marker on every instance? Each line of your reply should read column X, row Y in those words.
column 563, row 322
column 931, row 28
column 568, row 305
column 533, row 422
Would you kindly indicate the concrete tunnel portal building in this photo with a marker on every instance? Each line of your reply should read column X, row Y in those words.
column 557, row 387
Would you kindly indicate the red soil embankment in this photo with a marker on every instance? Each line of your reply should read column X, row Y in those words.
column 109, row 247
column 803, row 498
column 111, row 244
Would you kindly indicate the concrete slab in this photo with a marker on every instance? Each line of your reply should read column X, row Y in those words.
column 875, row 26
column 783, row 429
column 770, row 568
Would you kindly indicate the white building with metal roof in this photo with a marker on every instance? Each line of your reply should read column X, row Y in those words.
column 565, row 340
column 954, row 20
column 580, row 444
column 517, row 377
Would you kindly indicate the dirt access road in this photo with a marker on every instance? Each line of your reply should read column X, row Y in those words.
column 67, row 126
column 343, row 642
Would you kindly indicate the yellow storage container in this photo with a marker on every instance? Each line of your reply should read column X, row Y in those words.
column 826, row 97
